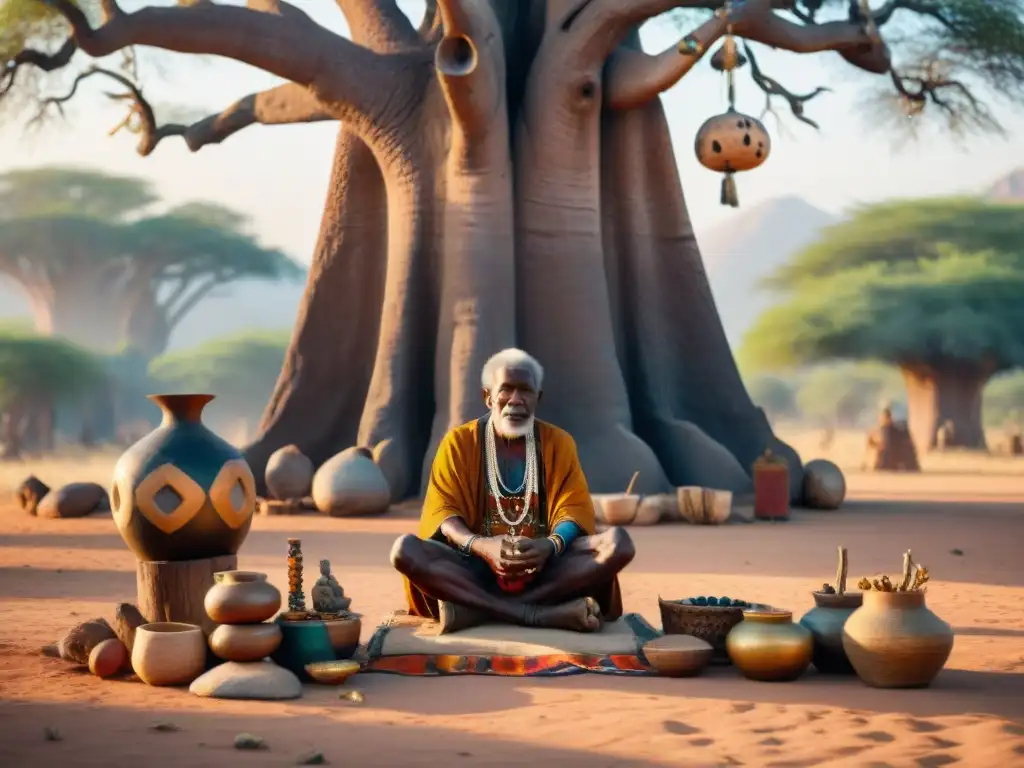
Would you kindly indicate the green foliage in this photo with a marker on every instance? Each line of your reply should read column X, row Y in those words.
column 933, row 282
column 775, row 395
column 845, row 394
column 34, row 367
column 42, row 192
column 905, row 232
column 240, row 369
column 1003, row 400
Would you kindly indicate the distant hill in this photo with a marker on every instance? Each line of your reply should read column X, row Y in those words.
column 750, row 245
column 1010, row 188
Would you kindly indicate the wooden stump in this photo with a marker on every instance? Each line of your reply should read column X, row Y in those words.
column 174, row 591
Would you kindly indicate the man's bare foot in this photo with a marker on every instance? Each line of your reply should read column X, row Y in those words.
column 453, row 617
column 580, row 615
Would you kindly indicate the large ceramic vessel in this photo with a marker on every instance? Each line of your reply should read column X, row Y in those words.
column 768, row 646
column 241, row 597
column 168, row 653
column 894, row 641
column 826, row 620
column 181, row 492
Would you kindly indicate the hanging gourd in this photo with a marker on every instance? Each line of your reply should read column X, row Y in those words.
column 731, row 142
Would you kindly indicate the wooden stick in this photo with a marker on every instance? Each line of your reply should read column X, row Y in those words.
column 632, row 482
column 908, row 572
column 841, row 571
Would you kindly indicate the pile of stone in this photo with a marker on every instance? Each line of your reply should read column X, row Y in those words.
column 106, row 649
column 346, row 485
column 72, row 500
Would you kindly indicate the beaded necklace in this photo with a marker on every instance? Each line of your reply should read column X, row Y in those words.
column 498, row 489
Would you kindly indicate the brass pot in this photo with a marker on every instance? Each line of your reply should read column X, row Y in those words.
column 894, row 641
column 768, row 646
column 241, row 597
column 245, row 642
column 826, row 620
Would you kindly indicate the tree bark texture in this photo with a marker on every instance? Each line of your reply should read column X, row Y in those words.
column 174, row 591
column 503, row 177
column 940, row 393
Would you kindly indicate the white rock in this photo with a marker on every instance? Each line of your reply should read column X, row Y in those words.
column 351, row 484
column 259, row 680
column 289, row 474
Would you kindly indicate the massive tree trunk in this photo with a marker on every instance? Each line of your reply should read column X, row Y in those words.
column 504, row 176
column 946, row 392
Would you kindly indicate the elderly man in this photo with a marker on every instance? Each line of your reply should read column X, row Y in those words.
column 507, row 529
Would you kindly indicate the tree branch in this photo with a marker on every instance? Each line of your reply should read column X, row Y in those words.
column 290, row 46
column 632, row 78
column 771, row 87
column 470, row 85
column 47, row 62
column 202, row 289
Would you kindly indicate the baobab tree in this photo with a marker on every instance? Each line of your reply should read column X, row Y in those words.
column 504, row 176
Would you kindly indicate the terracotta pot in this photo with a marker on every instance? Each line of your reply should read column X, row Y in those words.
column 351, row 484
column 616, row 508
column 181, row 492
column 768, row 646
column 169, row 653
column 241, row 597
column 826, row 620
column 245, row 642
column 344, row 634
column 894, row 641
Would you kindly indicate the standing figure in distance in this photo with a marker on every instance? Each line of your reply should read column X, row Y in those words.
column 507, row 528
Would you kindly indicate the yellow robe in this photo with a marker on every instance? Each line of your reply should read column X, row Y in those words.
column 457, row 484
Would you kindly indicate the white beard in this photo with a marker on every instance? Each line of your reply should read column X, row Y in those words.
column 510, row 431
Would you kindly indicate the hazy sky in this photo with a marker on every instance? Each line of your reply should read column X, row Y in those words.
column 279, row 174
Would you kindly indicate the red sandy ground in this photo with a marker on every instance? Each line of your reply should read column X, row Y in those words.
column 54, row 573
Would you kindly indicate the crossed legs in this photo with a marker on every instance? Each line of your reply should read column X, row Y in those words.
column 556, row 599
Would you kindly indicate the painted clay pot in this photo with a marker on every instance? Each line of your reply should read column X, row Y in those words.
column 181, row 492
column 894, row 641
column 302, row 643
column 241, row 597
column 351, row 484
column 169, row 653
column 245, row 642
column 768, row 646
column 826, row 620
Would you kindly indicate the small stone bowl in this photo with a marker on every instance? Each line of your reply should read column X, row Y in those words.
column 678, row 655
column 332, row 672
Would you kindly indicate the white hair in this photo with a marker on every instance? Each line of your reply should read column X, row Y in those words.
column 511, row 358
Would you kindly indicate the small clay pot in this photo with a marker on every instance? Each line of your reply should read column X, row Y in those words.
column 169, row 653
column 826, row 620
column 241, row 597
column 344, row 634
column 617, row 508
column 245, row 642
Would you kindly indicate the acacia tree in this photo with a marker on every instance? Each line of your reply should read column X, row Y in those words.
column 504, row 175
column 908, row 284
column 101, row 272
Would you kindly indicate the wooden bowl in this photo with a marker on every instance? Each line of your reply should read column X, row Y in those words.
column 678, row 655
column 704, row 506
column 332, row 672
column 616, row 508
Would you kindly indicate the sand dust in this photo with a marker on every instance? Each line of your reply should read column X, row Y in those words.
column 56, row 572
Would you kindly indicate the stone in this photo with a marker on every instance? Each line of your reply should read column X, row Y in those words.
column 289, row 474
column 30, row 492
column 248, row 741
column 127, row 618
column 824, row 485
column 78, row 643
column 350, row 484
column 108, row 658
column 257, row 680
column 73, row 500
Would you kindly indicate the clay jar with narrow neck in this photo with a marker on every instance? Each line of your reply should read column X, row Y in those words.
column 241, row 597
column 181, row 492
column 825, row 621
column 895, row 641
column 768, row 646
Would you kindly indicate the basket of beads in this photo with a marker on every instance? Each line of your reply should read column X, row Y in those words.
column 709, row 618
